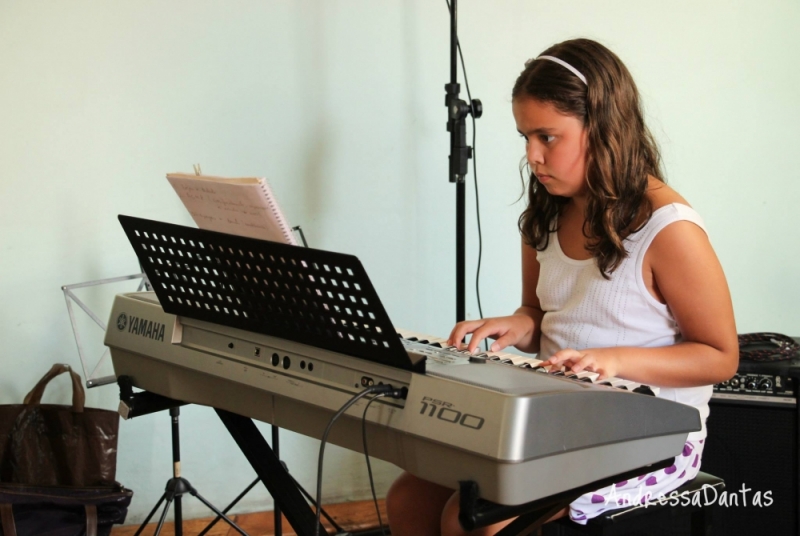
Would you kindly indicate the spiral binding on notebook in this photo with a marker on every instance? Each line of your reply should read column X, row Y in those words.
column 277, row 213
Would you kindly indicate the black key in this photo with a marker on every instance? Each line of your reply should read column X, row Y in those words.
column 644, row 390
column 424, row 341
column 586, row 379
column 608, row 384
column 541, row 369
column 623, row 387
column 557, row 373
column 484, row 355
column 506, row 361
column 572, row 376
column 494, row 358
column 525, row 365
column 436, row 344
column 413, row 339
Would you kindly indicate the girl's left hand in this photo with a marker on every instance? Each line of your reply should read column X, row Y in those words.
column 599, row 360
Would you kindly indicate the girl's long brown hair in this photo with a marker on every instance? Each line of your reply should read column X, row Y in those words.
column 621, row 152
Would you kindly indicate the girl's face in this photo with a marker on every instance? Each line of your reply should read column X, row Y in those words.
column 555, row 146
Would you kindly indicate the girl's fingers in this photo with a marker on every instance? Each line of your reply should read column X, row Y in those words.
column 502, row 342
column 562, row 356
column 479, row 335
column 461, row 330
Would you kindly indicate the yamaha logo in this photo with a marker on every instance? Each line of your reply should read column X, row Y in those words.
column 141, row 326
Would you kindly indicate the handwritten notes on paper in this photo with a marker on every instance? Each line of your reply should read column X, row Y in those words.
column 242, row 207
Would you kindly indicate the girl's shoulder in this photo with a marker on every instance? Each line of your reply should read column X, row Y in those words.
column 660, row 194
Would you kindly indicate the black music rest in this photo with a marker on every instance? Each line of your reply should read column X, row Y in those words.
column 653, row 519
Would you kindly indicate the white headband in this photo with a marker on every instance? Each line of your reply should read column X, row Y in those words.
column 563, row 63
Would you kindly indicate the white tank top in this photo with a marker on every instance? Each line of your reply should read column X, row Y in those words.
column 584, row 310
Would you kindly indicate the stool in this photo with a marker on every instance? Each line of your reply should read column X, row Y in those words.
column 644, row 520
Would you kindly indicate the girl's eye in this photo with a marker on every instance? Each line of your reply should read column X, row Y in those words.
column 546, row 139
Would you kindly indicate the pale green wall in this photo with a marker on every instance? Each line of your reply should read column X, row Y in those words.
column 340, row 104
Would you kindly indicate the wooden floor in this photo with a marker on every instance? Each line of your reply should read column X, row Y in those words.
column 352, row 516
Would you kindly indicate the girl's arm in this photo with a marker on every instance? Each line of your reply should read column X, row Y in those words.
column 521, row 329
column 688, row 277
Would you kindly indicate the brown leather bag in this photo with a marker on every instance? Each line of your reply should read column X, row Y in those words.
column 55, row 445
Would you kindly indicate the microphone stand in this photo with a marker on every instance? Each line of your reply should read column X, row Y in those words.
column 460, row 153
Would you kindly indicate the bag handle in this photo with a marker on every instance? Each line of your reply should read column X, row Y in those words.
column 7, row 520
column 78, row 394
column 91, row 520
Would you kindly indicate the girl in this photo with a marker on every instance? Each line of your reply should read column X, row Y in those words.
column 618, row 275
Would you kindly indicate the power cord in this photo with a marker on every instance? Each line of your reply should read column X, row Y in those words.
column 381, row 390
column 366, row 456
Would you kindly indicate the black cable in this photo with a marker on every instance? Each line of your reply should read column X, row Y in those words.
column 475, row 173
column 369, row 465
column 375, row 389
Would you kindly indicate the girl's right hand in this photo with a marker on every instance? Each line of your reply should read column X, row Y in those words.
column 507, row 330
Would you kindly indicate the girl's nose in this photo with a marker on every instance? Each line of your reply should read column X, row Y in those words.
column 535, row 155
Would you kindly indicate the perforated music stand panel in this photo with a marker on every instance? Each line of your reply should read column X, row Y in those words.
column 311, row 296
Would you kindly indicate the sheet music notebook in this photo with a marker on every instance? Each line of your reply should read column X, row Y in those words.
column 238, row 206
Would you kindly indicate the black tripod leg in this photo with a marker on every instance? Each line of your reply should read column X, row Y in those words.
column 214, row 509
column 231, row 505
column 269, row 469
column 153, row 511
column 163, row 517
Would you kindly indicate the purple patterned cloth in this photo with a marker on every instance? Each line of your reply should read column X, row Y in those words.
column 648, row 487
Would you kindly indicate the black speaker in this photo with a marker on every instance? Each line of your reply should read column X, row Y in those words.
column 753, row 445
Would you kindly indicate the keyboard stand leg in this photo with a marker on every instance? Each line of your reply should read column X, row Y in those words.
column 271, row 472
column 473, row 512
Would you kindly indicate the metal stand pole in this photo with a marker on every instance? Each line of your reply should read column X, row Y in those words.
column 460, row 153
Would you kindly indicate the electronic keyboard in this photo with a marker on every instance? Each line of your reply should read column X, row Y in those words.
column 520, row 431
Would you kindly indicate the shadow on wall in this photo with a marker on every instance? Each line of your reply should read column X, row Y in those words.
column 310, row 34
